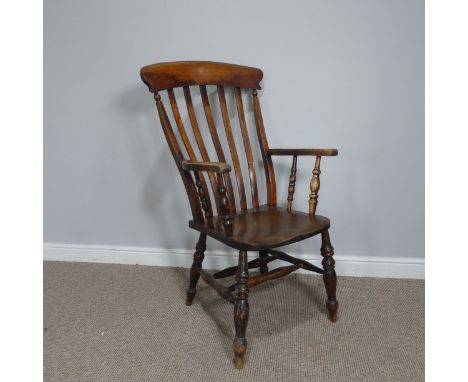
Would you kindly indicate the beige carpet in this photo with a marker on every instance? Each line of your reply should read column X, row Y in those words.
column 130, row 323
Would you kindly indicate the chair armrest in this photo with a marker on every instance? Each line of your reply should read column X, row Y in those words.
column 311, row 152
column 219, row 168
column 216, row 167
column 315, row 182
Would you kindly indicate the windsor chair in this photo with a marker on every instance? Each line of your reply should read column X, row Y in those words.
column 259, row 228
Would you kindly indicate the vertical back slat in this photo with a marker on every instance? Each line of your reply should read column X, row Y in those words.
column 232, row 148
column 247, row 147
column 201, row 144
column 217, row 144
column 180, row 125
column 186, row 141
column 197, row 212
column 267, row 162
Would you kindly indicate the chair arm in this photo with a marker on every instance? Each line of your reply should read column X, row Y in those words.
column 216, row 167
column 310, row 152
column 315, row 181
column 219, row 168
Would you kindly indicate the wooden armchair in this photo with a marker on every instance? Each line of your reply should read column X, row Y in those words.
column 259, row 228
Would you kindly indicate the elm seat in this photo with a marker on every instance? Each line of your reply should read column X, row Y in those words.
column 264, row 228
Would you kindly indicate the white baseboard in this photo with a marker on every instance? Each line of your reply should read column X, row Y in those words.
column 359, row 266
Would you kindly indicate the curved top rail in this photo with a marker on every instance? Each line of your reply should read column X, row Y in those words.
column 167, row 75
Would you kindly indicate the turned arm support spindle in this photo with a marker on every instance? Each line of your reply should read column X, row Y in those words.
column 314, row 187
column 224, row 204
column 202, row 194
column 219, row 168
column 292, row 182
column 315, row 181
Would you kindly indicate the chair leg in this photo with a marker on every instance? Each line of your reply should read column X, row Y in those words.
column 241, row 311
column 198, row 257
column 264, row 267
column 329, row 277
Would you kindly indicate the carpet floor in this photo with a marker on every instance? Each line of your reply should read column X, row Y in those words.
column 129, row 323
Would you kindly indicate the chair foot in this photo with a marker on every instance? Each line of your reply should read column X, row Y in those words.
column 329, row 276
column 198, row 257
column 240, row 347
column 332, row 307
column 190, row 295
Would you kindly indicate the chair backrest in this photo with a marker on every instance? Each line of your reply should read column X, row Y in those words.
column 170, row 75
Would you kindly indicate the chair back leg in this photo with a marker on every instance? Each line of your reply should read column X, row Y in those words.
column 263, row 267
column 198, row 257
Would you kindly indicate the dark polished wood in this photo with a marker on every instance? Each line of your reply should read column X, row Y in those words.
column 263, row 254
column 255, row 263
column 232, row 213
column 188, row 146
column 302, row 152
column 204, row 199
column 224, row 203
column 264, row 228
column 187, row 179
column 314, row 187
column 241, row 311
column 329, row 276
column 217, row 286
column 200, row 142
column 274, row 274
column 267, row 162
column 198, row 257
column 292, row 183
column 216, row 141
column 247, row 147
column 169, row 75
column 216, row 167
column 232, row 148
column 293, row 260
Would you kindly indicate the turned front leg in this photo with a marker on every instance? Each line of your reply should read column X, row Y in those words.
column 198, row 257
column 241, row 311
column 292, row 183
column 329, row 276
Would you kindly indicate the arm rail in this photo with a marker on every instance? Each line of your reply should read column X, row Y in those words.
column 315, row 181
column 301, row 152
column 220, row 168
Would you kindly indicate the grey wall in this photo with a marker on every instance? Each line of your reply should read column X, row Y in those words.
column 348, row 74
